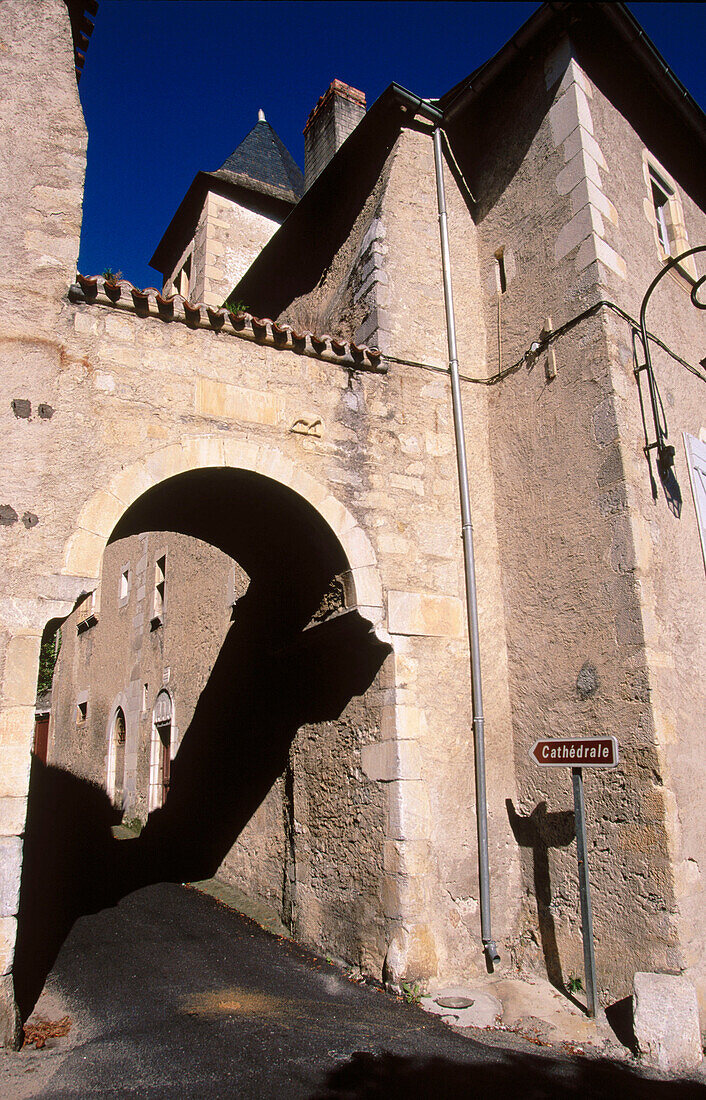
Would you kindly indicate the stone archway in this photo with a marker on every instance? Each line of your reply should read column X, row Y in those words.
column 104, row 508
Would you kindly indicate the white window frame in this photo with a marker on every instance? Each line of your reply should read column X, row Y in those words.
column 666, row 217
column 112, row 750
column 155, row 794
column 696, row 463
column 159, row 592
column 124, row 585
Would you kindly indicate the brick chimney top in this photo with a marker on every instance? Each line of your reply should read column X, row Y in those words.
column 334, row 117
column 336, row 88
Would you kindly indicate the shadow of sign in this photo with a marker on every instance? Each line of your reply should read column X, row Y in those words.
column 539, row 832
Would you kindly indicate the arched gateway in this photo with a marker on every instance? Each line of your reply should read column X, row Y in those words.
column 293, row 537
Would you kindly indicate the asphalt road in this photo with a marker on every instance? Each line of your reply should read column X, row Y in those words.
column 173, row 995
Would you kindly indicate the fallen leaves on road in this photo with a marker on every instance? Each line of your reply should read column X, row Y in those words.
column 40, row 1029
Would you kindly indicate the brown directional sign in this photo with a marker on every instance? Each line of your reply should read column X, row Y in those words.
column 576, row 752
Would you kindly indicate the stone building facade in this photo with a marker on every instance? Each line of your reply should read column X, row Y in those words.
column 134, row 658
column 317, row 451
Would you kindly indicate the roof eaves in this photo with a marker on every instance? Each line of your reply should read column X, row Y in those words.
column 183, row 222
column 623, row 22
column 81, row 29
column 666, row 80
column 248, row 183
column 183, row 218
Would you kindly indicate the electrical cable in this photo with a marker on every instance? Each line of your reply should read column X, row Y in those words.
column 548, row 337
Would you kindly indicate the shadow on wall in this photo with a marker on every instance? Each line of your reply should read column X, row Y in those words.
column 388, row 1076
column 237, row 745
column 540, row 831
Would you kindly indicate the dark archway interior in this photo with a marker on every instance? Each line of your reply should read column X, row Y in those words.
column 274, row 673
column 282, row 543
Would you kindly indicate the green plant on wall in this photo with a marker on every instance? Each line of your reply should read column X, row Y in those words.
column 48, row 653
column 235, row 307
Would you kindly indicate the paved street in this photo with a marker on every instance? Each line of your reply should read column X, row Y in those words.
column 171, row 994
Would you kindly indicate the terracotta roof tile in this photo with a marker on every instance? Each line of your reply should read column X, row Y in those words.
column 149, row 302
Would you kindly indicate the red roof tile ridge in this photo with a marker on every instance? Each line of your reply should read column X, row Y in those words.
column 264, row 329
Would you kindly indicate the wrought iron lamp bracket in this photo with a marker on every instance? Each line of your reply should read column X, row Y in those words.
column 665, row 451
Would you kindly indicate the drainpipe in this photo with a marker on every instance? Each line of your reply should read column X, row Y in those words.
column 434, row 115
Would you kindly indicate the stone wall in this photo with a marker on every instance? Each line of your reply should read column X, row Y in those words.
column 666, row 560
column 228, row 237
column 580, row 584
column 110, row 414
column 350, row 299
column 125, row 658
column 43, row 143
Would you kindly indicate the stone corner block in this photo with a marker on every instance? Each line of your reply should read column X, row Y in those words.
column 666, row 1021
column 10, row 1023
column 8, row 935
column 13, row 813
column 389, row 760
column 10, row 872
column 424, row 614
column 83, row 554
column 19, row 686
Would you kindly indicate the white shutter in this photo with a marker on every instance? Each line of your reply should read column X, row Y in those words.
column 696, row 459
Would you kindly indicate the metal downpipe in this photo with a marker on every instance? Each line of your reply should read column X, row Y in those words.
column 489, row 945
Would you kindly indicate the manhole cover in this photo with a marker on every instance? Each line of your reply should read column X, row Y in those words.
column 454, row 1002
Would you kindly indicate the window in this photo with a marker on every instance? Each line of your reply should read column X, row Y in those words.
column 161, row 749
column 661, row 194
column 115, row 777
column 182, row 279
column 124, row 587
column 81, row 711
column 665, row 213
column 160, row 580
column 88, row 613
column 500, row 273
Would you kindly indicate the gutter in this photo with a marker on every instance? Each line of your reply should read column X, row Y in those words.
column 432, row 113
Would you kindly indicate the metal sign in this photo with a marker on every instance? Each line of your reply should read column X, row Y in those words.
column 576, row 752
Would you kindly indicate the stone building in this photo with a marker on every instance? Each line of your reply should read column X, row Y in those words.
column 134, row 658
column 227, row 216
column 310, row 440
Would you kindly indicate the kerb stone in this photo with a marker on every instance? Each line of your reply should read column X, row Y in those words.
column 666, row 1021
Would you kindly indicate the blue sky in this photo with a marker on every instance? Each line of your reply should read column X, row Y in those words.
column 170, row 87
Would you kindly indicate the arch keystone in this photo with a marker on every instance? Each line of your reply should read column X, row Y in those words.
column 167, row 462
column 356, row 544
column 241, row 454
column 203, row 451
column 338, row 517
column 130, row 484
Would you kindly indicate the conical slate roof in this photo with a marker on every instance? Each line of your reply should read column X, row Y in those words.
column 263, row 158
column 260, row 164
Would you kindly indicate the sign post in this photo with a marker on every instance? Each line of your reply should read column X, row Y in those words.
column 578, row 753
column 589, row 959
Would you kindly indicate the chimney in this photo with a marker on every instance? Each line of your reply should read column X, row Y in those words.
column 334, row 117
